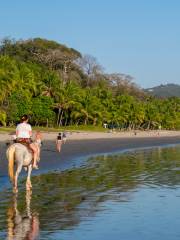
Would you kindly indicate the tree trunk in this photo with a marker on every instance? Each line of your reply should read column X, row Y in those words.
column 58, row 117
column 85, row 121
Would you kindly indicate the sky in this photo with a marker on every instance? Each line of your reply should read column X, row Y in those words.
column 140, row 38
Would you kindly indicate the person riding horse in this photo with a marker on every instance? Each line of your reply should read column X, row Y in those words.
column 19, row 155
column 24, row 134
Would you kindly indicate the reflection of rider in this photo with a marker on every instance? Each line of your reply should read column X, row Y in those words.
column 22, row 226
column 23, row 134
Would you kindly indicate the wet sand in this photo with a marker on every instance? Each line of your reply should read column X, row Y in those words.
column 74, row 150
column 85, row 201
column 82, row 144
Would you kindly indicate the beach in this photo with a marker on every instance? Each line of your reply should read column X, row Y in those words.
column 73, row 189
column 84, row 135
column 82, row 144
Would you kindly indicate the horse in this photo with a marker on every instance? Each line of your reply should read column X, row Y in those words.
column 20, row 156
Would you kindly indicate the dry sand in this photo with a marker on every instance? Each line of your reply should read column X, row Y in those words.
column 82, row 135
column 109, row 135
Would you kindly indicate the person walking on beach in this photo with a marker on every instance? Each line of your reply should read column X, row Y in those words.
column 24, row 134
column 59, row 141
column 159, row 130
column 64, row 137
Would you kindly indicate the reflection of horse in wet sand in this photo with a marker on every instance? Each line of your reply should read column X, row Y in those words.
column 20, row 156
column 22, row 226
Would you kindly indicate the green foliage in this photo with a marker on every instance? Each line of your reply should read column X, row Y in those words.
column 3, row 118
column 19, row 103
column 42, row 113
column 42, row 78
column 9, row 75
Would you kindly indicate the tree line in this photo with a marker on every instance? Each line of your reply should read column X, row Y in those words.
column 58, row 86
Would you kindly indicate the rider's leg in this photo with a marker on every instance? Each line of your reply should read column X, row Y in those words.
column 35, row 154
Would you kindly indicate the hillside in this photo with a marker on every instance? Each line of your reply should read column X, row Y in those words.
column 168, row 90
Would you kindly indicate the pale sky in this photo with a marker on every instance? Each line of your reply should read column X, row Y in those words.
column 136, row 37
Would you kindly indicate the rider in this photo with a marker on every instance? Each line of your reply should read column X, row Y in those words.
column 24, row 134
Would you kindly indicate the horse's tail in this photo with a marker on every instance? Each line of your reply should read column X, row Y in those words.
column 10, row 154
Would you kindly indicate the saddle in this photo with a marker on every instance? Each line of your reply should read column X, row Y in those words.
column 26, row 142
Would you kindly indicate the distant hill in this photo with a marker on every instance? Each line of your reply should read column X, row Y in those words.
column 168, row 90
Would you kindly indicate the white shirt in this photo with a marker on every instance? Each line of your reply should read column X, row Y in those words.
column 23, row 130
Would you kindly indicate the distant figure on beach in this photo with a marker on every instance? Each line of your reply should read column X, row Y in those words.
column 159, row 129
column 59, row 141
column 64, row 137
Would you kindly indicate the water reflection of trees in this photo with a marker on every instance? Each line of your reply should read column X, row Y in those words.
column 63, row 199
column 71, row 195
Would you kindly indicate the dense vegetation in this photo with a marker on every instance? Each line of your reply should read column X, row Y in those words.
column 57, row 86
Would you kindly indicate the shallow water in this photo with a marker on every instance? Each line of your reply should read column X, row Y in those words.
column 134, row 195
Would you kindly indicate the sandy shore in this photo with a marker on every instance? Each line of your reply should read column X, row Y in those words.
column 80, row 135
column 110, row 135
column 82, row 144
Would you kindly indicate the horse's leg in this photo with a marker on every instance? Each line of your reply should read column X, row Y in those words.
column 28, row 182
column 18, row 170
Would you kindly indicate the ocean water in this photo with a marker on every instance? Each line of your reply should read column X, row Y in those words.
column 134, row 195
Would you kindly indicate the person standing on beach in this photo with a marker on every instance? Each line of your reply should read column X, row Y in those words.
column 24, row 134
column 64, row 137
column 59, row 142
column 159, row 130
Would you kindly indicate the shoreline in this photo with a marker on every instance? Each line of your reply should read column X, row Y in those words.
column 79, row 146
column 84, row 135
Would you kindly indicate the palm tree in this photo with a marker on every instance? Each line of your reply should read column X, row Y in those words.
column 66, row 98
column 9, row 75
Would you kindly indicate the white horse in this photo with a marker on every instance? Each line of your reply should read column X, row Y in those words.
column 20, row 156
